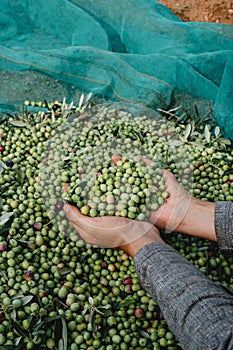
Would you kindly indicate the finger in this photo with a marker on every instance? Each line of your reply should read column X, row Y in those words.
column 73, row 214
column 115, row 158
column 146, row 160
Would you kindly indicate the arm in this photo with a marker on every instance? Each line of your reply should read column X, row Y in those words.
column 192, row 216
column 224, row 226
column 198, row 311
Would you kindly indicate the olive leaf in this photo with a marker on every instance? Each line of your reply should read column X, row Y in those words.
column 60, row 344
column 91, row 300
column 90, row 316
column 53, row 116
column 143, row 333
column 47, row 320
column 123, row 303
column 18, row 329
column 18, row 123
column 88, row 97
column 94, row 328
column 5, row 217
column 2, row 166
column 224, row 141
column 64, row 334
column 81, row 100
column 105, row 310
column 207, row 133
column 65, row 270
column 13, row 315
column 217, row 131
column 24, row 299
column 38, row 332
column 187, row 131
column 18, row 340
column 228, row 172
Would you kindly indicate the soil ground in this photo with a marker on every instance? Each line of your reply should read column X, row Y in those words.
column 219, row 11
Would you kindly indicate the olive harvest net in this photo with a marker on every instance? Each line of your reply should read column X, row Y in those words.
column 125, row 50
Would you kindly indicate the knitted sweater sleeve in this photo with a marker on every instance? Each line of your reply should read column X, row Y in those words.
column 224, row 226
column 199, row 312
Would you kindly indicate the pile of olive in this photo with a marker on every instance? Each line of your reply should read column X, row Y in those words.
column 57, row 292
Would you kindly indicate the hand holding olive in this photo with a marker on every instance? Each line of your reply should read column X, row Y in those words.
column 170, row 215
column 111, row 231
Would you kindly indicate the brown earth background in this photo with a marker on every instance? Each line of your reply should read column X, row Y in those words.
column 219, row 11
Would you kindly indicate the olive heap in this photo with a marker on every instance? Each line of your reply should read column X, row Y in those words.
column 98, row 164
column 56, row 292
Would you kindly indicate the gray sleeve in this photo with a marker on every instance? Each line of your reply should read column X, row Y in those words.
column 199, row 312
column 224, row 226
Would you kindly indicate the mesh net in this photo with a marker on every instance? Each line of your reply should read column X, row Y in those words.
column 126, row 50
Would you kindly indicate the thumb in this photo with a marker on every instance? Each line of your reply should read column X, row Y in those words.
column 72, row 212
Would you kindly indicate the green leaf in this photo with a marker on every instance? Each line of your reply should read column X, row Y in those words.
column 91, row 300
column 90, row 317
column 18, row 123
column 88, row 96
column 217, row 131
column 203, row 248
column 53, row 116
column 18, row 340
column 94, row 327
column 13, row 315
column 106, row 312
column 65, row 270
column 207, row 133
column 64, row 333
column 228, row 172
column 81, row 101
column 61, row 344
column 126, row 302
column 47, row 320
column 39, row 332
column 224, row 141
column 2, row 166
column 5, row 217
column 143, row 333
column 26, row 299
column 19, row 329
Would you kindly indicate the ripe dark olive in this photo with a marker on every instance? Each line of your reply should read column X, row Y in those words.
column 28, row 275
column 3, row 247
column 9, row 163
column 139, row 312
column 127, row 281
column 37, row 226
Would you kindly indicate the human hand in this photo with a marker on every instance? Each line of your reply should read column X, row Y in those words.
column 112, row 231
column 169, row 217
column 184, row 213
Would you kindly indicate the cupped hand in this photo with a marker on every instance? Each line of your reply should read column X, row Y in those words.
column 112, row 231
column 170, row 215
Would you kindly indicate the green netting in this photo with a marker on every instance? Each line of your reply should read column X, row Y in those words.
column 126, row 50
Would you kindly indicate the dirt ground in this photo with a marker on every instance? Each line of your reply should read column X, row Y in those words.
column 220, row 11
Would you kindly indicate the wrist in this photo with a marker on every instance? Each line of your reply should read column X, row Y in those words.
column 151, row 236
column 199, row 220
